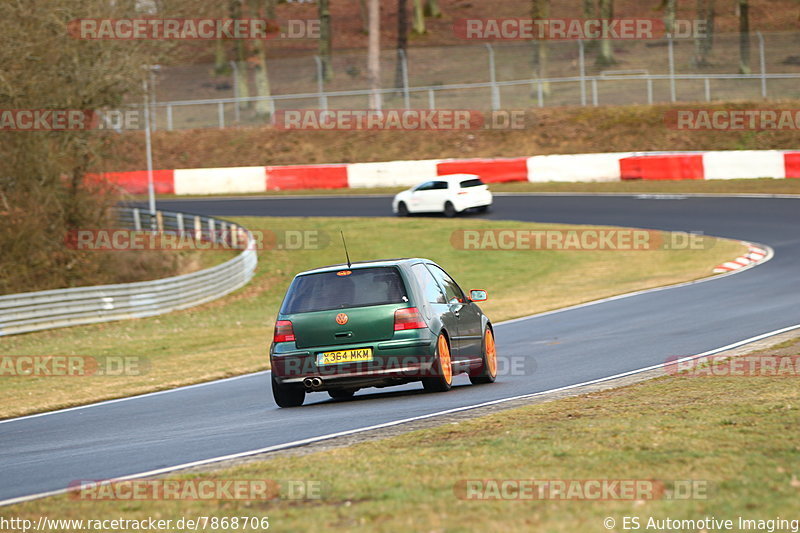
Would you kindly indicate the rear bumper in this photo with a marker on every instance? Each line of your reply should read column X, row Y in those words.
column 470, row 201
column 396, row 360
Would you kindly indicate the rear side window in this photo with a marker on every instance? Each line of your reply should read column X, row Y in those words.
column 439, row 185
column 433, row 294
column 451, row 288
column 333, row 290
column 471, row 183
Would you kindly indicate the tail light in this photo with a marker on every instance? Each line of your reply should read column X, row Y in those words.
column 462, row 192
column 283, row 331
column 408, row 318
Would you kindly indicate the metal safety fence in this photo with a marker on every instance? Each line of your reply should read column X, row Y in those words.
column 34, row 311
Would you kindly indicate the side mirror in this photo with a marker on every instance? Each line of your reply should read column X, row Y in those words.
column 477, row 295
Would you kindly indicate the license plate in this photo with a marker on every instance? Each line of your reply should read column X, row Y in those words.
column 356, row 355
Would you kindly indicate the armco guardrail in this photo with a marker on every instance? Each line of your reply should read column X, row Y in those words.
column 34, row 311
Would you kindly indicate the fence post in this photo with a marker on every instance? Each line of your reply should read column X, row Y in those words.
column 582, row 67
column 594, row 92
column 221, row 114
column 323, row 100
column 169, row 117
column 493, row 79
column 762, row 58
column 650, row 91
column 672, row 92
column 431, row 99
column 707, row 84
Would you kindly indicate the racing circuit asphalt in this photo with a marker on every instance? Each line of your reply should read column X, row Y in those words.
column 119, row 438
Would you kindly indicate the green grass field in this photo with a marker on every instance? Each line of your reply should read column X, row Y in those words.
column 231, row 336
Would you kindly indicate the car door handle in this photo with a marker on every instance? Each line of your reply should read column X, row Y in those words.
column 457, row 313
column 343, row 334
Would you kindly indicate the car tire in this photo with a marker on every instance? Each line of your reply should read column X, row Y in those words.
column 402, row 209
column 449, row 210
column 341, row 394
column 288, row 395
column 487, row 372
column 442, row 369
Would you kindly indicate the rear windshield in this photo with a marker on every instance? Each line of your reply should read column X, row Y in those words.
column 471, row 183
column 336, row 290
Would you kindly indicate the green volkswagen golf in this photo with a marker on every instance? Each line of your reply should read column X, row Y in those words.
column 342, row 328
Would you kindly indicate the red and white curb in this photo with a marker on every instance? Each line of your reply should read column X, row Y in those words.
column 754, row 256
column 603, row 167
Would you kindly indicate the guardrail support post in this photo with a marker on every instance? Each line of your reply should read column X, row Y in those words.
column 137, row 220
column 650, row 91
column 179, row 221
column 431, row 99
column 198, row 228
column 594, row 92
column 169, row 117
column 707, row 86
column 221, row 115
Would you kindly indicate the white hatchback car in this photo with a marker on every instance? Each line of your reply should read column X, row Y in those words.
column 450, row 195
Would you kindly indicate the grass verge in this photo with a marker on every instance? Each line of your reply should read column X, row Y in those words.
column 231, row 336
column 734, row 436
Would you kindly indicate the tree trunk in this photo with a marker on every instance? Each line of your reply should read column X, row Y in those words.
column 589, row 8
column 374, row 54
column 432, row 9
column 325, row 39
column 704, row 43
column 261, row 75
column 669, row 15
column 744, row 37
column 362, row 9
column 242, row 88
column 402, row 40
column 418, row 23
column 540, row 9
column 220, row 57
column 606, row 55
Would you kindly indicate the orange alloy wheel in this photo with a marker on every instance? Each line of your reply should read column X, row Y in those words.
column 491, row 353
column 444, row 360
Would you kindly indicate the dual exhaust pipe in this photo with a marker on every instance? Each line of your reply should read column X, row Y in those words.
column 312, row 383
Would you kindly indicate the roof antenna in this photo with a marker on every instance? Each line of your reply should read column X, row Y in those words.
column 345, row 249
